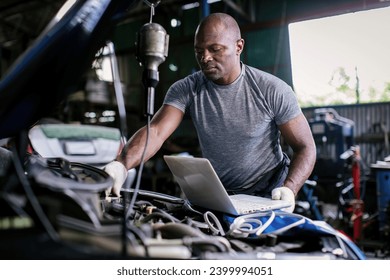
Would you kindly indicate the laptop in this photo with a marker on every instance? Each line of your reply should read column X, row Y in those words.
column 202, row 187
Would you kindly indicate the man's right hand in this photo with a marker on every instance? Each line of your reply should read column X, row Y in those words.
column 118, row 172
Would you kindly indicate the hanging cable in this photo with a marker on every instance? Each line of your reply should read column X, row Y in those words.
column 139, row 175
column 127, row 212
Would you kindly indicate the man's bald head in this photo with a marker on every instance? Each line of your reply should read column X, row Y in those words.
column 221, row 22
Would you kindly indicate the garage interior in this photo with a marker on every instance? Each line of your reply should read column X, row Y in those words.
column 63, row 79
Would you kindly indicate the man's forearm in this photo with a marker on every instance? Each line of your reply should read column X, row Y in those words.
column 301, row 166
column 131, row 154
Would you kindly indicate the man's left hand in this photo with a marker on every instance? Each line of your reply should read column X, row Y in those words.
column 284, row 193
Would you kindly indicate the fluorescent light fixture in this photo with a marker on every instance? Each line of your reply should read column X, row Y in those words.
column 68, row 4
column 196, row 4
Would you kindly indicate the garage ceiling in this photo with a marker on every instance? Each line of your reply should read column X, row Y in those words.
column 21, row 21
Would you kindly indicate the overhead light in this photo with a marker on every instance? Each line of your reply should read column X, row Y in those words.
column 173, row 67
column 196, row 4
column 90, row 115
column 108, row 113
column 190, row 6
column 175, row 22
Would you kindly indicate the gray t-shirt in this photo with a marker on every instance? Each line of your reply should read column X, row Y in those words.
column 237, row 123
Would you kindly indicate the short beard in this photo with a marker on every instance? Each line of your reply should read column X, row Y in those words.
column 213, row 76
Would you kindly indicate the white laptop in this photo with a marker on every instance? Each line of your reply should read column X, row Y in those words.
column 202, row 187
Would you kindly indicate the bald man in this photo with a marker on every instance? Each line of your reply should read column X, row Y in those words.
column 239, row 113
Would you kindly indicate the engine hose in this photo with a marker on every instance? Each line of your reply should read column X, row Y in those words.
column 205, row 244
column 192, row 236
column 159, row 215
column 178, row 230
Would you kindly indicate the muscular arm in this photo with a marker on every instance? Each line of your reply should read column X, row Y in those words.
column 298, row 135
column 163, row 124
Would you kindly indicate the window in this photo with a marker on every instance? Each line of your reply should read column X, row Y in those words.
column 342, row 59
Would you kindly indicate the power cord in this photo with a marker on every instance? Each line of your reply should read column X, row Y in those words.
column 141, row 167
column 129, row 211
column 219, row 229
column 248, row 224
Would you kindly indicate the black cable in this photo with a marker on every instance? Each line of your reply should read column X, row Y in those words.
column 135, row 231
column 161, row 215
column 165, row 213
column 128, row 212
column 143, row 203
column 141, row 167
